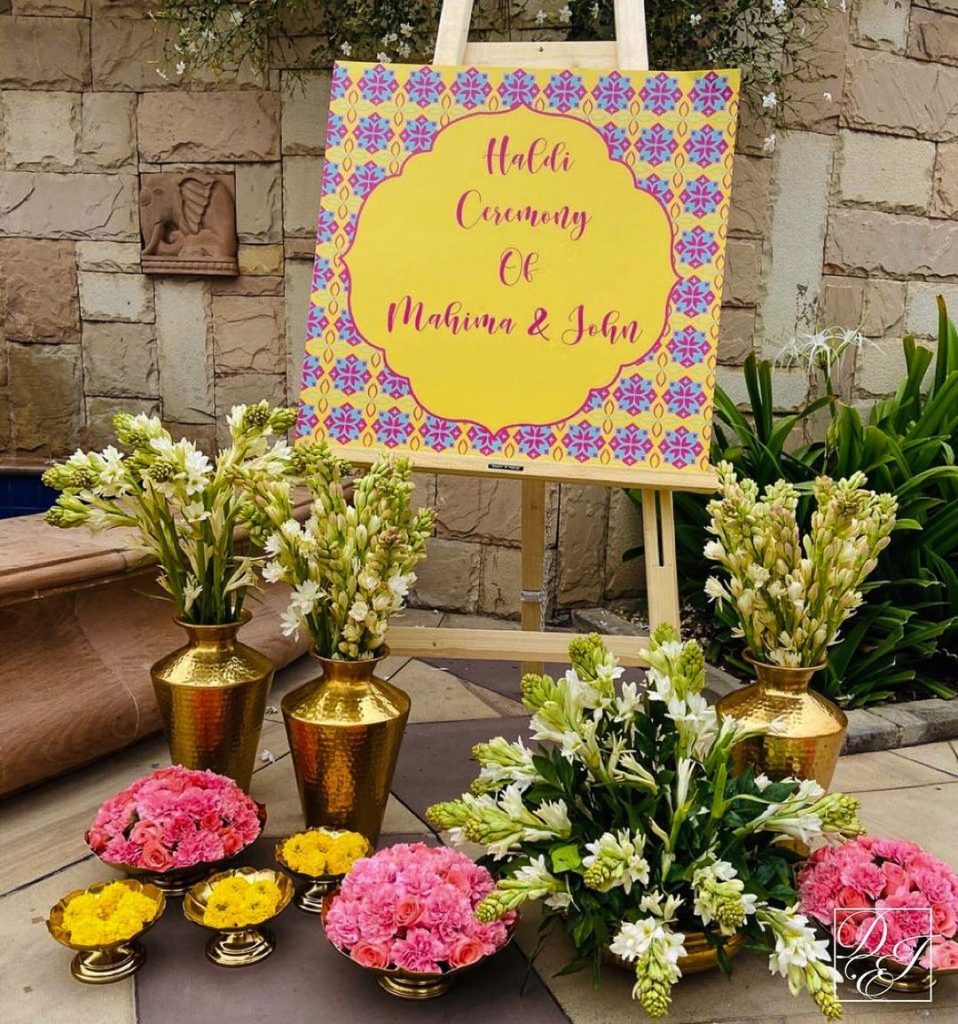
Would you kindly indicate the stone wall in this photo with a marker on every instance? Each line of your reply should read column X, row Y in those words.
column 852, row 217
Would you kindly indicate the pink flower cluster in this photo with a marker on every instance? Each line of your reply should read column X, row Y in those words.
column 174, row 818
column 412, row 907
column 874, row 872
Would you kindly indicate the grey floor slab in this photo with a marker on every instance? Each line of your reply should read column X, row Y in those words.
column 35, row 982
column 306, row 981
column 435, row 762
column 501, row 676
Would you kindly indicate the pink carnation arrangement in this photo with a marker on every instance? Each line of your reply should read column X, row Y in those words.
column 412, row 907
column 874, row 872
column 175, row 818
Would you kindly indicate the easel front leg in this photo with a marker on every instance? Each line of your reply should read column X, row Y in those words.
column 533, row 525
column 661, row 576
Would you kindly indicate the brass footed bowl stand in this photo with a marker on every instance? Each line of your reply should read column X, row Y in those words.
column 238, row 947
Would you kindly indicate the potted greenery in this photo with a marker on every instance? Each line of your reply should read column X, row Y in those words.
column 350, row 566
column 790, row 595
column 183, row 510
column 626, row 819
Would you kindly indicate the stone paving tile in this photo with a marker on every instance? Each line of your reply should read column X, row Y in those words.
column 504, row 706
column 275, row 786
column 883, row 769
column 435, row 760
column 438, row 696
column 306, row 980
column 923, row 814
column 943, row 755
column 37, row 987
column 501, row 676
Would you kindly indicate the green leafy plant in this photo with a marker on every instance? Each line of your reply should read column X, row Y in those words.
column 625, row 819
column 905, row 446
column 770, row 40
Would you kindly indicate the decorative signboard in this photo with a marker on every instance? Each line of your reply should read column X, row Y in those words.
column 521, row 270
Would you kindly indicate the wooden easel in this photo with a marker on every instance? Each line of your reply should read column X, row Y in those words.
column 532, row 646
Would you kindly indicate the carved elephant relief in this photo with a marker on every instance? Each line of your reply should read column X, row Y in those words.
column 188, row 223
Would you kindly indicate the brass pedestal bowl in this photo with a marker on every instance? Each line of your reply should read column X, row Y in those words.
column 238, row 947
column 103, row 964
column 310, row 897
column 410, row 984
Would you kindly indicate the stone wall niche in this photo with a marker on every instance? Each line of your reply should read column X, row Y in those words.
column 188, row 224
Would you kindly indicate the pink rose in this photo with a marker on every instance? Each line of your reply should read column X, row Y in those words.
column 942, row 956
column 144, row 831
column 370, row 954
column 211, row 821
column 944, row 921
column 97, row 839
column 232, row 841
column 408, row 911
column 155, row 857
column 465, row 951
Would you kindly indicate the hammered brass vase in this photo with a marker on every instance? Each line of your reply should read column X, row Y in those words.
column 212, row 698
column 810, row 730
column 345, row 730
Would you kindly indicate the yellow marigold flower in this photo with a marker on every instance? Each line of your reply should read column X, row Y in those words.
column 238, row 902
column 114, row 914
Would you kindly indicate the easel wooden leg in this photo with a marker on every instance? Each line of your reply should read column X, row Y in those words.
column 661, row 576
column 533, row 559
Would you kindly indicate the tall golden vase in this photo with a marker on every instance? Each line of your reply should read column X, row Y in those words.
column 345, row 730
column 811, row 727
column 212, row 697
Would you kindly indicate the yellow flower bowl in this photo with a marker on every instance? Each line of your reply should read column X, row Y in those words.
column 238, row 947
column 108, row 962
column 310, row 897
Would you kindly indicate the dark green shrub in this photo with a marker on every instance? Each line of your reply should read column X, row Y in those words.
column 896, row 646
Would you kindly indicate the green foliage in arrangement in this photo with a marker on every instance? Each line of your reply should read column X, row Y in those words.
column 898, row 642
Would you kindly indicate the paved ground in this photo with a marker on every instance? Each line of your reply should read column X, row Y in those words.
column 909, row 794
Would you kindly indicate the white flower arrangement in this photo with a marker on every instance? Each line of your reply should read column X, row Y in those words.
column 629, row 826
column 184, row 507
column 350, row 564
column 791, row 593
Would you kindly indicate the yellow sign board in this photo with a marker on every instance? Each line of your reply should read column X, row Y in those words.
column 518, row 269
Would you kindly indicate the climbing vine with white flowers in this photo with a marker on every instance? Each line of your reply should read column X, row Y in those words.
column 772, row 41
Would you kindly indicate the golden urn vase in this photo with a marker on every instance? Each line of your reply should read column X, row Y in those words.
column 345, row 730
column 809, row 727
column 212, row 698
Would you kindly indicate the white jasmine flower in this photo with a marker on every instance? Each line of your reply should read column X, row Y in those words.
column 541, row 17
column 267, row 756
column 565, row 14
column 695, row 19
column 180, row 66
column 345, row 48
column 769, row 101
column 382, row 57
column 768, row 143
